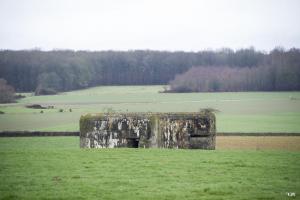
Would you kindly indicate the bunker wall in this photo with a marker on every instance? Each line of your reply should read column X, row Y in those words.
column 162, row 130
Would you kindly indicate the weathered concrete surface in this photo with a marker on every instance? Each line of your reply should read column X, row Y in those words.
column 162, row 130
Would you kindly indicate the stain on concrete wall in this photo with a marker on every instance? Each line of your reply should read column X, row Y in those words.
column 162, row 130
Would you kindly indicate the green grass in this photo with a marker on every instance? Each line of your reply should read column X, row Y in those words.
column 240, row 111
column 282, row 123
column 55, row 168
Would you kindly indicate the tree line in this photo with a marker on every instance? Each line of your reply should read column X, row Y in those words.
column 63, row 70
column 280, row 72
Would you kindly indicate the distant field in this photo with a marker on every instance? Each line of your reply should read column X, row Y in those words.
column 239, row 112
column 55, row 168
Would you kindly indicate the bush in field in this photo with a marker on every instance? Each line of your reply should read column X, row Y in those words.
column 35, row 106
column 7, row 92
column 44, row 91
column 19, row 96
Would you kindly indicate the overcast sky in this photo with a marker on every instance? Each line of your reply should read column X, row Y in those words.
column 188, row 25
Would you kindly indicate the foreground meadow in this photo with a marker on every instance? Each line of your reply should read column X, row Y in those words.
column 239, row 111
column 55, row 168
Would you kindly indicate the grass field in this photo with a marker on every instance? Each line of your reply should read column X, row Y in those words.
column 55, row 168
column 239, row 112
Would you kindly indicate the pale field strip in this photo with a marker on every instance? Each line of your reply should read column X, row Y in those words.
column 289, row 143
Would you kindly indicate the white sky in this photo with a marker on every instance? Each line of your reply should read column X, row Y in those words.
column 188, row 25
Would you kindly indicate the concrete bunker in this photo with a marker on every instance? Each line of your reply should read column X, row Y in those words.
column 144, row 130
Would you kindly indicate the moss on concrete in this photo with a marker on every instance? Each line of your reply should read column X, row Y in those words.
column 166, row 130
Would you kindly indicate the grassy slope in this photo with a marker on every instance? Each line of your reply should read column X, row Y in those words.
column 55, row 168
column 240, row 112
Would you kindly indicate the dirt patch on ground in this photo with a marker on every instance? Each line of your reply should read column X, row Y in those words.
column 291, row 143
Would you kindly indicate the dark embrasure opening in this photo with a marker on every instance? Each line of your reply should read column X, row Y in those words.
column 132, row 143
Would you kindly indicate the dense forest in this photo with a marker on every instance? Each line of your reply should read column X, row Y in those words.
column 63, row 70
column 280, row 71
